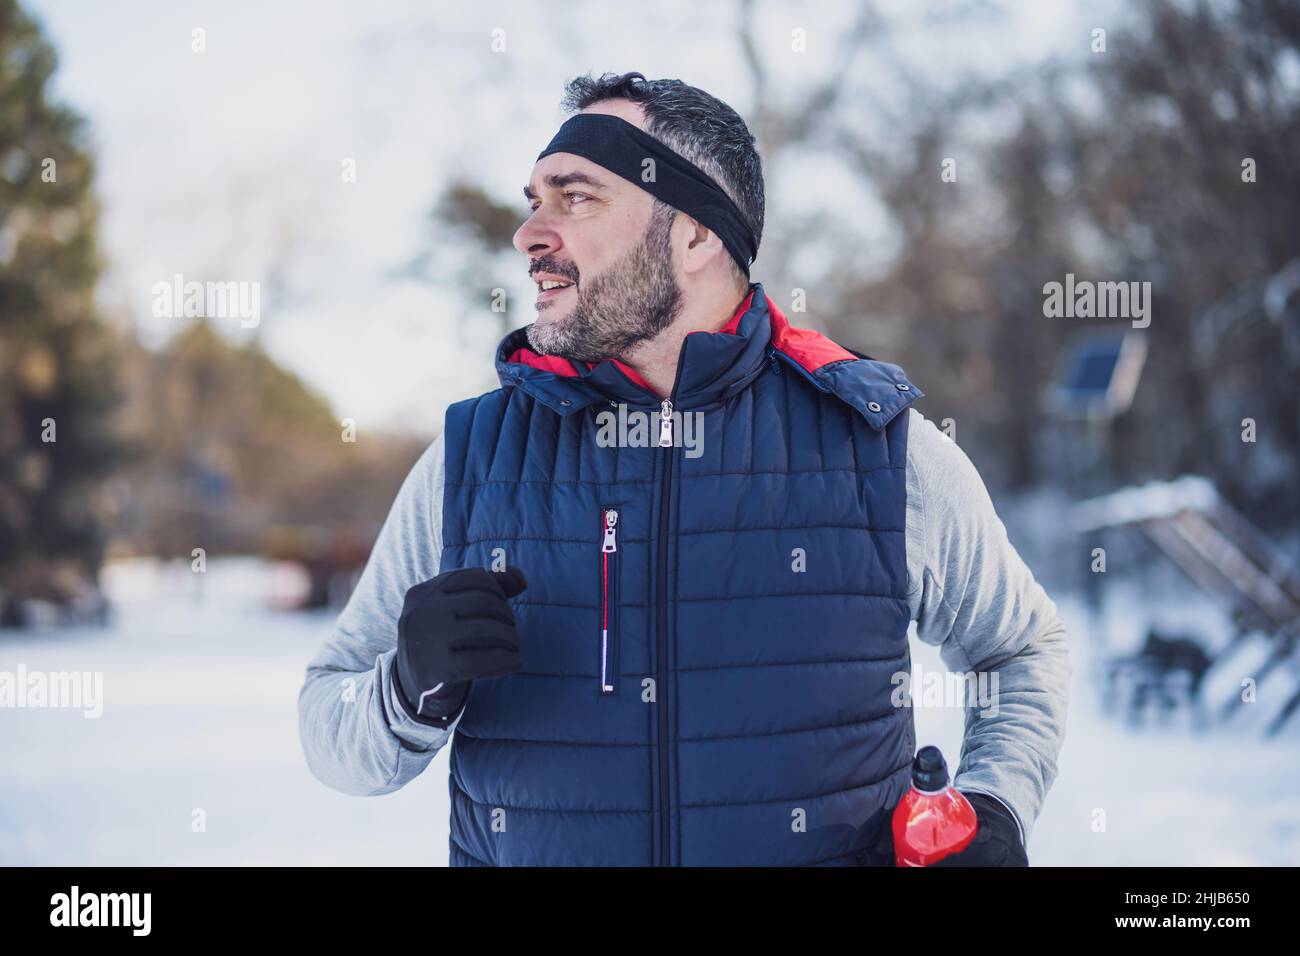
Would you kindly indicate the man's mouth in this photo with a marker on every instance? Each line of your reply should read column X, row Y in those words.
column 551, row 288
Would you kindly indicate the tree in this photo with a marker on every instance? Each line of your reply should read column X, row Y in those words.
column 57, row 382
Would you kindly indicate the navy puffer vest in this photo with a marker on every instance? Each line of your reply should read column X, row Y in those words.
column 710, row 627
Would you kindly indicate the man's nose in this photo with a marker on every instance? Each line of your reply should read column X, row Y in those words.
column 536, row 238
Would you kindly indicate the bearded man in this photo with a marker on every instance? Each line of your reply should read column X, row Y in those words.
column 644, row 657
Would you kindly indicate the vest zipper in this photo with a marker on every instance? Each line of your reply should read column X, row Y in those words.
column 666, row 423
column 661, row 616
column 608, row 597
column 661, row 690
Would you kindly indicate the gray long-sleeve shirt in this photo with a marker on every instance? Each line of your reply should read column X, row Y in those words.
column 969, row 591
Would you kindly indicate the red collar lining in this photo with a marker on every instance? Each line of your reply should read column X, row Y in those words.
column 810, row 349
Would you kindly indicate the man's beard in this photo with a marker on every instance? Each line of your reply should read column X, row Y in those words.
column 630, row 302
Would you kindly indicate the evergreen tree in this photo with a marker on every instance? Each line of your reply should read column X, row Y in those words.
column 57, row 382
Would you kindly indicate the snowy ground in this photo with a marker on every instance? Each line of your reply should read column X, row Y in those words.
column 200, row 712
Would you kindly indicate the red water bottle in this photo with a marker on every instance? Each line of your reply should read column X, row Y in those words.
column 932, row 820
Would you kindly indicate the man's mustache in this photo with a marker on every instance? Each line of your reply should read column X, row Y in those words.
column 554, row 267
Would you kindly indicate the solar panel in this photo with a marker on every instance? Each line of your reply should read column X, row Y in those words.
column 1094, row 366
column 1100, row 369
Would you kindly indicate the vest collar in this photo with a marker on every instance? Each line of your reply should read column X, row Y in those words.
column 713, row 366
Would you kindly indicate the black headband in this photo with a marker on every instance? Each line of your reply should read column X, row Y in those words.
column 622, row 148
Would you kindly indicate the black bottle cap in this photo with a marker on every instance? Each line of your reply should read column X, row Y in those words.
column 929, row 772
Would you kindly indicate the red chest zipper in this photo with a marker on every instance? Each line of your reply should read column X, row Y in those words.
column 608, row 597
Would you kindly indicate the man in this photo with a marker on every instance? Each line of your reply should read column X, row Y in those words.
column 659, row 583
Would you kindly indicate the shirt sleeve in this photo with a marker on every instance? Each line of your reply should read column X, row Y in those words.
column 973, row 597
column 356, row 736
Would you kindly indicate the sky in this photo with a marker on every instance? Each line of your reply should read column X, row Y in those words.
column 226, row 164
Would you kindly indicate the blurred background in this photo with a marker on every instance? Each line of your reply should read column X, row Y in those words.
column 931, row 168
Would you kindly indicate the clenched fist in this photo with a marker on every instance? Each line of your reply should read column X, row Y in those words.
column 454, row 628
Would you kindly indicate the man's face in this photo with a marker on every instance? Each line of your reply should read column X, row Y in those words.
column 596, row 232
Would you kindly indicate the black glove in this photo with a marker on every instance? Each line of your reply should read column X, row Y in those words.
column 454, row 628
column 996, row 843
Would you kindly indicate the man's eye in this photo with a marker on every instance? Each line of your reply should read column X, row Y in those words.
column 568, row 195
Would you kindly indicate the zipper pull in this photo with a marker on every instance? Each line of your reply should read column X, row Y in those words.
column 771, row 357
column 666, row 424
column 611, row 536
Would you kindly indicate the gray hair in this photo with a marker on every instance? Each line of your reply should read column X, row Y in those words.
column 693, row 124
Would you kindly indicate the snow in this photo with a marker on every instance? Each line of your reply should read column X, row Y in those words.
column 200, row 711
column 1156, row 499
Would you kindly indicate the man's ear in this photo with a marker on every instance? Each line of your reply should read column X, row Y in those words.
column 701, row 246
